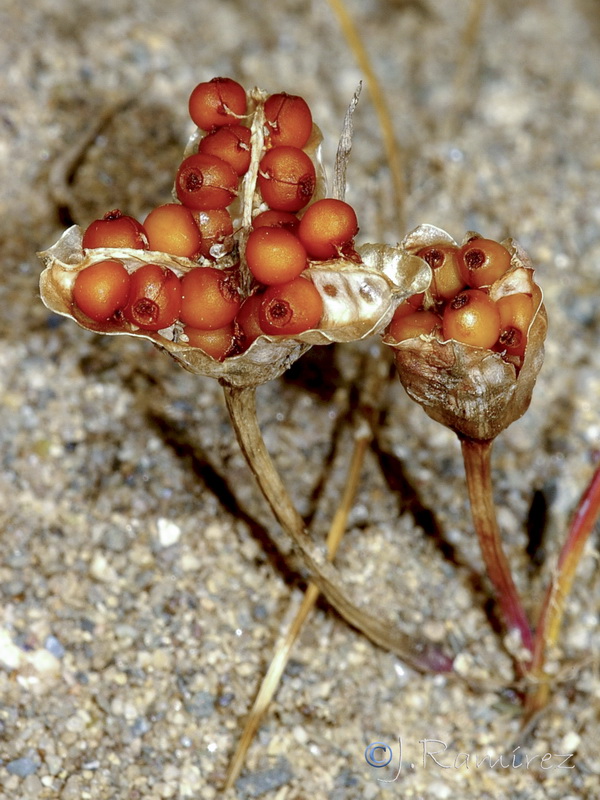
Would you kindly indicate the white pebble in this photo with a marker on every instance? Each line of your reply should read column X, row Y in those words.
column 190, row 781
column 570, row 742
column 10, row 655
column 44, row 662
column 101, row 570
column 77, row 722
column 190, row 562
column 300, row 734
column 463, row 663
column 168, row 532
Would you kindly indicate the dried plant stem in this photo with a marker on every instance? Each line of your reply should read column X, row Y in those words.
column 476, row 455
column 468, row 71
column 392, row 151
column 553, row 606
column 373, row 623
column 280, row 659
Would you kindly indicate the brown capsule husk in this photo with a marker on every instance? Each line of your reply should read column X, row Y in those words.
column 359, row 298
column 472, row 390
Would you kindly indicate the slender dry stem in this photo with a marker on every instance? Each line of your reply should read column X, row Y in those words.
column 280, row 659
column 477, row 458
column 373, row 623
column 553, row 606
column 392, row 151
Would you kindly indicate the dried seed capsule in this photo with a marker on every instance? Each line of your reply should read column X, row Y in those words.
column 357, row 292
column 469, row 387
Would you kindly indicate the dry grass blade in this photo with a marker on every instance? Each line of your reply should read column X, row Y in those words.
column 374, row 624
column 392, row 151
column 468, row 68
column 376, row 373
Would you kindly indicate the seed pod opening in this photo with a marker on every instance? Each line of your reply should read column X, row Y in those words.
column 358, row 289
column 476, row 391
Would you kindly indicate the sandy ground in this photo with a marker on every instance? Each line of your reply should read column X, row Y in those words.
column 141, row 599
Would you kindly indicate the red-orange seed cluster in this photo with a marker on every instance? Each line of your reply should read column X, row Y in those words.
column 211, row 305
column 460, row 307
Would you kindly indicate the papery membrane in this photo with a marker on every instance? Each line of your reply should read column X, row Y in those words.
column 472, row 390
column 359, row 297
column 358, row 300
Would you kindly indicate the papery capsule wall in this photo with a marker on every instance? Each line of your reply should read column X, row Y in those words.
column 472, row 390
column 358, row 294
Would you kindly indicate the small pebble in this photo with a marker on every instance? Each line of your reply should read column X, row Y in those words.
column 201, row 705
column 72, row 789
column 168, row 532
column 53, row 764
column 10, row 654
column 101, row 570
column 115, row 539
column 259, row 783
column 190, row 562
column 53, row 646
column 570, row 742
column 190, row 781
column 44, row 662
column 22, row 767
column 300, row 734
column 140, row 727
column 31, row 787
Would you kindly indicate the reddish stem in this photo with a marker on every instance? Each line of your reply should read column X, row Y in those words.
column 476, row 455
